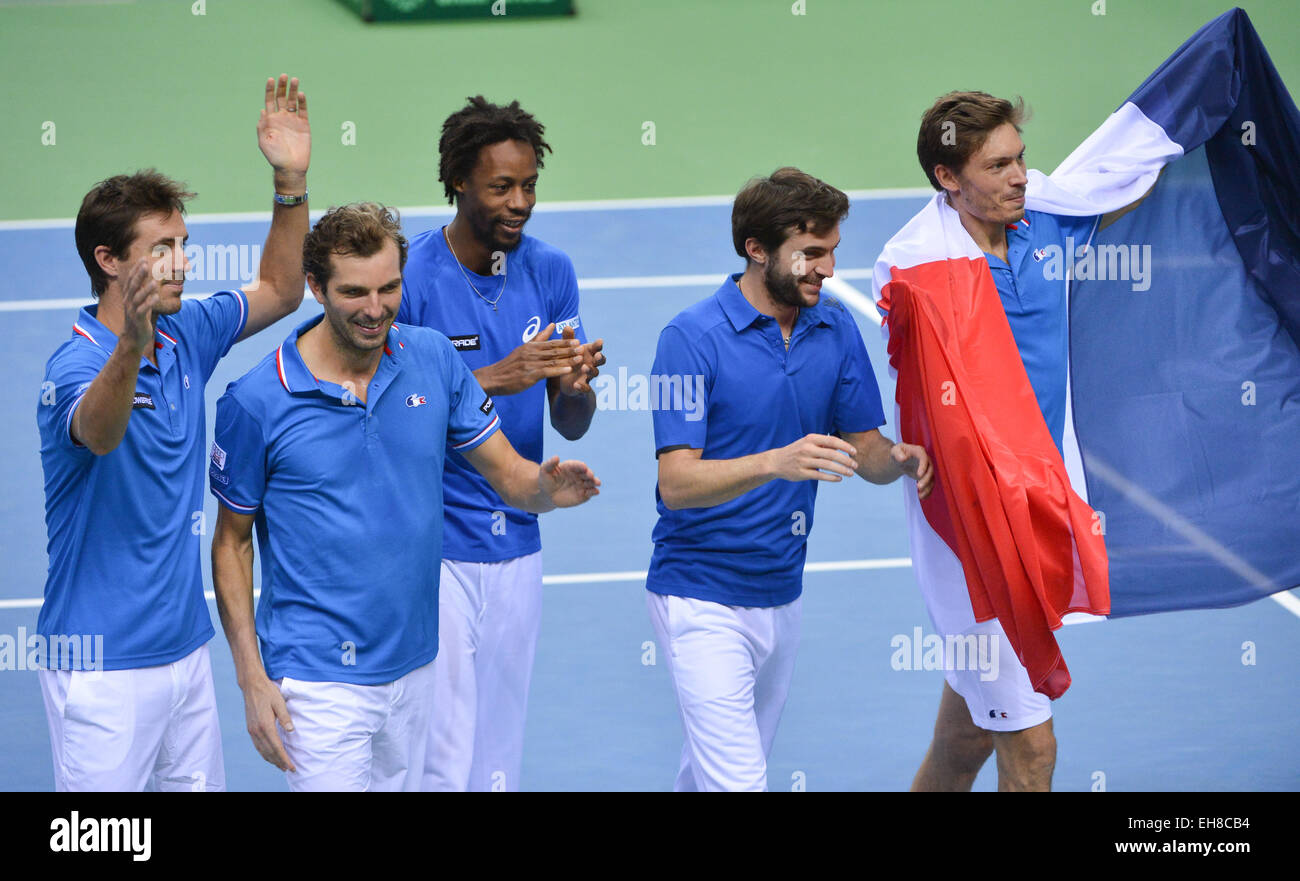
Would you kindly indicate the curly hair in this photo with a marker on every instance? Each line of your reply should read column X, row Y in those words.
column 356, row 230
column 479, row 124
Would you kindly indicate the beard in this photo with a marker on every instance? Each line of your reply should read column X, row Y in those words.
column 347, row 337
column 488, row 234
column 782, row 286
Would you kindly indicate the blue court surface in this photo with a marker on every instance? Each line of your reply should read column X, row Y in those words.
column 1160, row 702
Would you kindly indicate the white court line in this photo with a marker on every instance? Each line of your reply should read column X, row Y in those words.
column 854, row 297
column 876, row 195
column 603, row 577
column 629, row 282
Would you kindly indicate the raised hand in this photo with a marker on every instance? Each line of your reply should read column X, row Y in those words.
column 139, row 303
column 283, row 132
column 567, row 483
column 915, row 462
column 539, row 358
column 812, row 455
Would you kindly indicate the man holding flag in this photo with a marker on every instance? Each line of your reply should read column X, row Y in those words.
column 1021, row 408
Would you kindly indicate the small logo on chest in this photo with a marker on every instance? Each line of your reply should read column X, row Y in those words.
column 466, row 343
column 142, row 401
column 415, row 401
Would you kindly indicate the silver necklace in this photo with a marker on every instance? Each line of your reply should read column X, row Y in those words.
column 493, row 303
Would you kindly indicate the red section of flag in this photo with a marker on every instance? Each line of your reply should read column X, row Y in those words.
column 1002, row 499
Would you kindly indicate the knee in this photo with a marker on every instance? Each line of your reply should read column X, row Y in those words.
column 965, row 749
column 1026, row 759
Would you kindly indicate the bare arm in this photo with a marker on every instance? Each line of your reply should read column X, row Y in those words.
column 572, row 401
column 232, row 577
column 284, row 136
column 688, row 481
column 100, row 421
column 882, row 461
column 527, row 485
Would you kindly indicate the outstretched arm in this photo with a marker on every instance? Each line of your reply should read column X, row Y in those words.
column 284, row 136
column 527, row 485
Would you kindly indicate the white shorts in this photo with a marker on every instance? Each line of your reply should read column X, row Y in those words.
column 489, row 616
column 1005, row 701
column 731, row 668
column 357, row 738
column 147, row 728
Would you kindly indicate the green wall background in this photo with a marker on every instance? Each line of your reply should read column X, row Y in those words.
column 734, row 88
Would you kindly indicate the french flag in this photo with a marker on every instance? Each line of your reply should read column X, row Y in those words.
column 1179, row 487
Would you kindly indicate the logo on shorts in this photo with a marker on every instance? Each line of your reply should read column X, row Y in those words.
column 486, row 406
column 997, row 714
column 415, row 401
column 142, row 402
column 466, row 343
column 218, row 457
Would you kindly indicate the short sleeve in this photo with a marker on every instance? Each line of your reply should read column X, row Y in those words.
column 1081, row 229
column 472, row 418
column 237, row 469
column 857, row 396
column 684, row 378
column 67, row 378
column 212, row 325
column 564, row 299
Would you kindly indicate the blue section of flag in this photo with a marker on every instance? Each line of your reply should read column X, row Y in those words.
column 1186, row 394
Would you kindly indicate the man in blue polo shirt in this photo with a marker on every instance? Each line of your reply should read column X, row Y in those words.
column 509, row 303
column 782, row 373
column 121, row 419
column 333, row 447
column 970, row 148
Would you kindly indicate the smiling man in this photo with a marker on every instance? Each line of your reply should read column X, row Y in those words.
column 970, row 148
column 122, row 435
column 332, row 448
column 790, row 399
column 509, row 303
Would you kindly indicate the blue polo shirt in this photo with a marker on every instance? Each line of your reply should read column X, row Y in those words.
column 348, row 502
column 1032, row 285
column 125, row 529
column 540, row 288
column 752, row 395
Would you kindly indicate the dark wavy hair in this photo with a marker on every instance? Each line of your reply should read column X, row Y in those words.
column 771, row 208
column 110, row 210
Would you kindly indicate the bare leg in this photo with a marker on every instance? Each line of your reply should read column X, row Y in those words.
column 1026, row 758
column 957, row 752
